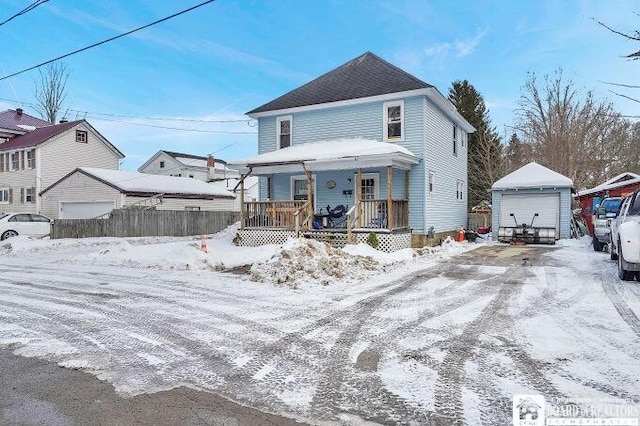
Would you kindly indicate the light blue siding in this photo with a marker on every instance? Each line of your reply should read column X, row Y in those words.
column 427, row 133
column 443, row 210
column 565, row 207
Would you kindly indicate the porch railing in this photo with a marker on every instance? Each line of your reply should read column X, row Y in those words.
column 383, row 214
column 271, row 214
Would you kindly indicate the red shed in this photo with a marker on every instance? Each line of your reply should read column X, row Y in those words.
column 621, row 185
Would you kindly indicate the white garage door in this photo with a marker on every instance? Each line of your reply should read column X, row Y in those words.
column 526, row 205
column 85, row 210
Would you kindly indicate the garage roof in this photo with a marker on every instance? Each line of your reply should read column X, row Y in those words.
column 533, row 175
column 142, row 183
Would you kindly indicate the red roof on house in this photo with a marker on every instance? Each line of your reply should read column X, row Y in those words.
column 11, row 119
column 37, row 136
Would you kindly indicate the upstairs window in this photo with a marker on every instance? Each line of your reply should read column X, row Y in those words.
column 455, row 140
column 393, row 121
column 162, row 164
column 31, row 159
column 81, row 136
column 284, row 131
column 15, row 161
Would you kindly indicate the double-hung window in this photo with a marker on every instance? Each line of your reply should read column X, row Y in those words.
column 284, row 131
column 31, row 158
column 15, row 161
column 4, row 195
column 460, row 190
column 28, row 195
column 393, row 119
column 455, row 140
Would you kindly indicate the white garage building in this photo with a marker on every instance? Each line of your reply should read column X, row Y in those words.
column 90, row 192
column 529, row 190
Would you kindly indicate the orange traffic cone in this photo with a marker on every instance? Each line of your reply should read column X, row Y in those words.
column 460, row 237
column 203, row 244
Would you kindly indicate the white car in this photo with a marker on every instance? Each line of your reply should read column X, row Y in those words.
column 28, row 224
column 625, row 238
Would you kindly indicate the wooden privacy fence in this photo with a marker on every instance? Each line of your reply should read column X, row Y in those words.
column 476, row 220
column 145, row 223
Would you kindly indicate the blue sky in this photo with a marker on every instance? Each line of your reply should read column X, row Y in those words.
column 223, row 59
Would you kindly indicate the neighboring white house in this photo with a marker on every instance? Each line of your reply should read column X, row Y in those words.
column 178, row 164
column 34, row 160
column 15, row 122
column 90, row 192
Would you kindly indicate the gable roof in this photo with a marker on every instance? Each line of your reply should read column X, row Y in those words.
column 142, row 183
column 365, row 76
column 177, row 155
column 620, row 181
column 43, row 134
column 533, row 175
column 12, row 120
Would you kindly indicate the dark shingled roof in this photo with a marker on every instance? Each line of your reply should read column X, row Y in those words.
column 37, row 136
column 10, row 119
column 365, row 76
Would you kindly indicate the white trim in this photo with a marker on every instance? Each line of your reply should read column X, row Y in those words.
column 279, row 120
column 385, row 120
column 431, row 92
column 304, row 178
column 7, row 198
column 376, row 179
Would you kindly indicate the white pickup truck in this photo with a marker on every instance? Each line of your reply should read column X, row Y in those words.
column 625, row 238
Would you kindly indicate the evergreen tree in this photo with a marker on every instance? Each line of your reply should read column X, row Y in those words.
column 516, row 154
column 485, row 164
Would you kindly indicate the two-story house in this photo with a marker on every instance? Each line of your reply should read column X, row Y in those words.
column 206, row 169
column 368, row 136
column 34, row 160
column 15, row 122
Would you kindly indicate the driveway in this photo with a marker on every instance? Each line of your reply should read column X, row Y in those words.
column 446, row 344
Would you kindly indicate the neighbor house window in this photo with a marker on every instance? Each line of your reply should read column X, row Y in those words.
column 455, row 140
column 460, row 190
column 192, row 208
column 28, row 195
column 162, row 164
column 31, row 159
column 7, row 166
column 4, row 195
column 431, row 182
column 2, row 168
column 81, row 136
column 191, row 176
column 393, row 121
column 284, row 131
column 15, row 161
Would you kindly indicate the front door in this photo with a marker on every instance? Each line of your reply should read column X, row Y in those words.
column 369, row 190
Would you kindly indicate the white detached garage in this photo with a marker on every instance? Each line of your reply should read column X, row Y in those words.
column 90, row 192
column 530, row 190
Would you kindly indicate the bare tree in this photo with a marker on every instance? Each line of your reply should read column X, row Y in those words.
column 51, row 92
column 569, row 131
column 633, row 36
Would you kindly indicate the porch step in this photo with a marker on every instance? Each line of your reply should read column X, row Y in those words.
column 336, row 240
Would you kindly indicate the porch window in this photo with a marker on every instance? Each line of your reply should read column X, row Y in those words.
column 284, row 131
column 393, row 121
column 299, row 187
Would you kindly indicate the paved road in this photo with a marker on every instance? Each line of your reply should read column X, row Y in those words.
column 446, row 345
column 35, row 392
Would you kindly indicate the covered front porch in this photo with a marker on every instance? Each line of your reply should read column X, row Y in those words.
column 336, row 191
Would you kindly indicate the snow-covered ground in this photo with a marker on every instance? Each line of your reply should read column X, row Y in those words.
column 328, row 334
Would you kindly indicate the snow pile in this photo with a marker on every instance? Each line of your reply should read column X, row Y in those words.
column 303, row 261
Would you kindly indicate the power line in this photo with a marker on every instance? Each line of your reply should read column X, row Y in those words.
column 109, row 39
column 178, row 128
column 25, row 10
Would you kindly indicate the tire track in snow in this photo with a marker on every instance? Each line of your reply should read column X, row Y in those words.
column 621, row 306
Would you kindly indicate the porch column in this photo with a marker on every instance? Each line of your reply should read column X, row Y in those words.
column 389, row 195
column 242, row 206
column 310, row 206
column 358, row 197
column 405, row 213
